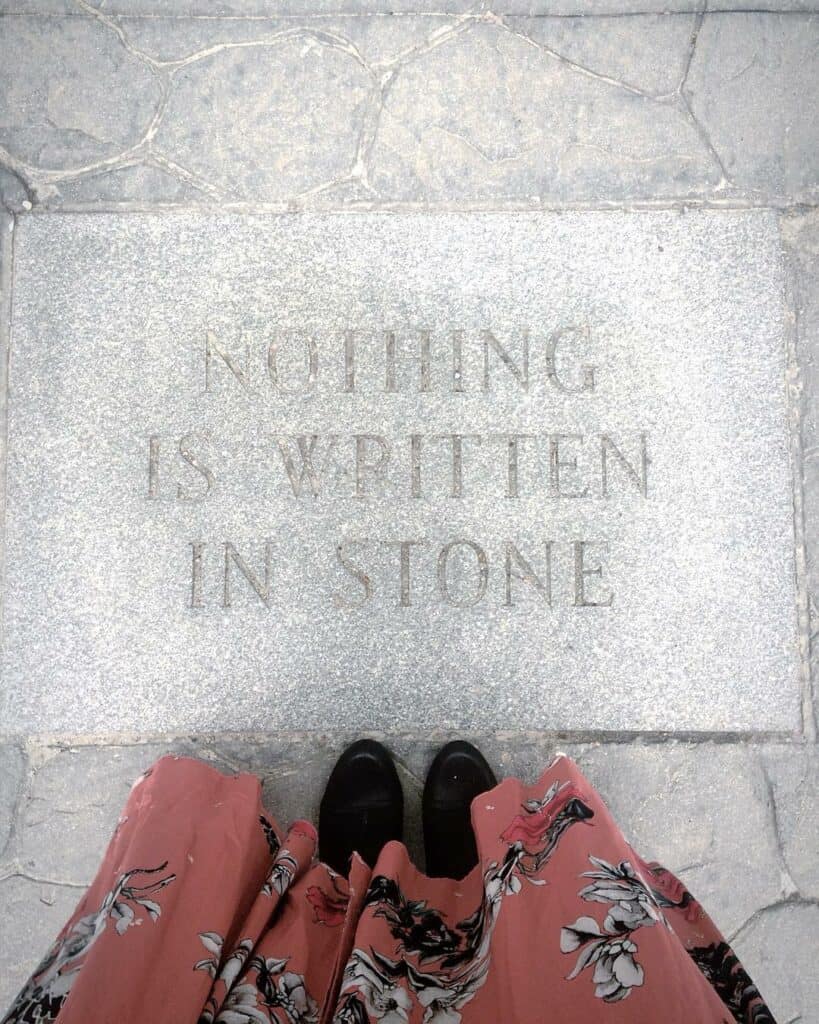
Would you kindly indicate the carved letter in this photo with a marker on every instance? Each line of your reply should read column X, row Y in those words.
column 273, row 369
column 521, row 374
column 153, row 466
column 551, row 362
column 458, row 361
column 556, row 464
column 512, row 468
column 520, row 568
column 390, row 380
column 198, row 465
column 306, row 446
column 357, row 574
column 416, row 441
column 262, row 590
column 349, row 361
column 640, row 478
column 483, row 573
column 580, row 574
column 211, row 349
column 405, row 546
column 361, row 464
column 196, row 575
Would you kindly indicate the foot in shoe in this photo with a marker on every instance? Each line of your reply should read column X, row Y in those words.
column 458, row 774
column 362, row 807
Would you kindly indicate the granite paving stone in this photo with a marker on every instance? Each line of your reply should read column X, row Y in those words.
column 135, row 183
column 704, row 811
column 134, row 540
column 370, row 8
column 645, row 52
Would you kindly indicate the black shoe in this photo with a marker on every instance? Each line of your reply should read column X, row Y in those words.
column 458, row 774
column 362, row 807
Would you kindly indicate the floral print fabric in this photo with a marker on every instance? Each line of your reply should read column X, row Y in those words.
column 205, row 912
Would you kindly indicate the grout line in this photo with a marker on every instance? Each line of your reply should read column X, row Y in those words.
column 210, row 739
column 7, row 234
column 306, row 16
column 794, row 399
column 680, row 204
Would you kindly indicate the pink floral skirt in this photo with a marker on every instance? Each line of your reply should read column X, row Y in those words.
column 204, row 911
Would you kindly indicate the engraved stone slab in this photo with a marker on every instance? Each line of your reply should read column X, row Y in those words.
column 502, row 470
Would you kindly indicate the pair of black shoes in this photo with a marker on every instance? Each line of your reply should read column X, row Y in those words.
column 363, row 807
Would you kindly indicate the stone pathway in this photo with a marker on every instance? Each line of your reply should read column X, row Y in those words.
column 134, row 106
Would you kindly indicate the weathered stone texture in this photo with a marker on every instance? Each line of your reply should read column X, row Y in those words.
column 267, row 121
column 289, row 110
column 530, row 125
column 705, row 812
column 72, row 94
column 754, row 88
column 308, row 8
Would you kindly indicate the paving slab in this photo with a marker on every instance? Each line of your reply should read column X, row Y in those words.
column 507, row 471
column 317, row 108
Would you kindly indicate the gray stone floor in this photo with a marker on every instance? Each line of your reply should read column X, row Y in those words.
column 258, row 104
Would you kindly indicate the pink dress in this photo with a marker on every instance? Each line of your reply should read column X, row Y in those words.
column 204, row 911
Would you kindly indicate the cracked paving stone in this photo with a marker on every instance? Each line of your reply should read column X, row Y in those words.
column 754, row 87
column 72, row 806
column 73, row 94
column 267, row 121
column 377, row 40
column 530, row 125
column 704, row 812
column 647, row 52
column 794, row 775
column 12, row 770
column 791, row 987
column 31, row 915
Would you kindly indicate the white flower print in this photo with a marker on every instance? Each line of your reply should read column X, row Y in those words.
column 385, row 1000
column 212, row 942
column 241, row 1007
column 281, row 874
column 615, row 970
column 610, row 949
column 634, row 903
